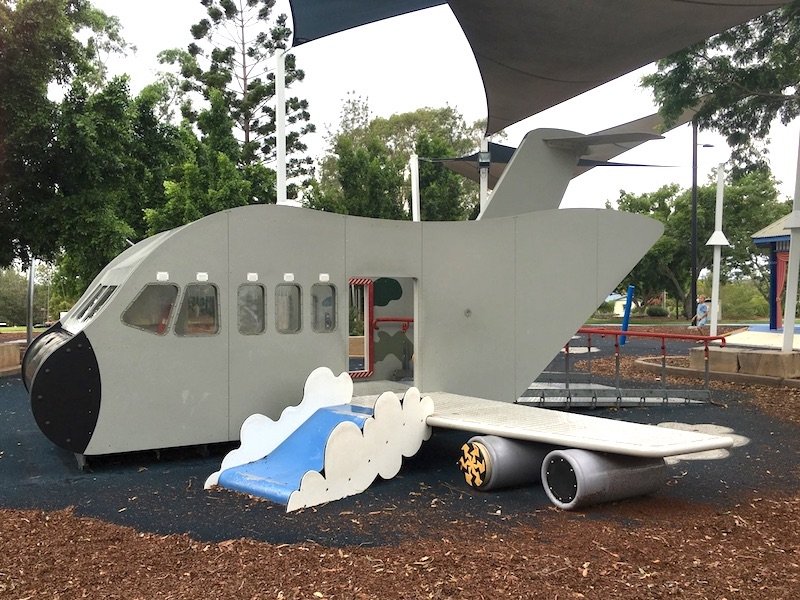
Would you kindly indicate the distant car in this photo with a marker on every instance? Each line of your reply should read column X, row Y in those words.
column 3, row 324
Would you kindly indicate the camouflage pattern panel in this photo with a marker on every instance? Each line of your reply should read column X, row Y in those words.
column 394, row 340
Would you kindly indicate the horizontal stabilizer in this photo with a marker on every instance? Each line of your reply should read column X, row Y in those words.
column 581, row 143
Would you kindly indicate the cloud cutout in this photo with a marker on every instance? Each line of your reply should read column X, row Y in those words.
column 355, row 457
column 260, row 435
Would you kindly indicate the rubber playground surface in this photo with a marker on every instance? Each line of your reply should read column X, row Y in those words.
column 163, row 492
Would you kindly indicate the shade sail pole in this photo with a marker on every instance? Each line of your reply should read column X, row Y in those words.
column 484, row 161
column 794, row 264
column 413, row 166
column 280, row 127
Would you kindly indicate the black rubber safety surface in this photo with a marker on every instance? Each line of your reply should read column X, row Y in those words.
column 163, row 492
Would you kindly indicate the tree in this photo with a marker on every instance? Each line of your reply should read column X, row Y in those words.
column 743, row 79
column 206, row 178
column 110, row 156
column 237, row 43
column 751, row 203
column 40, row 45
column 382, row 147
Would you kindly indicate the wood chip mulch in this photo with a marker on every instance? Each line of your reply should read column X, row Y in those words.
column 643, row 548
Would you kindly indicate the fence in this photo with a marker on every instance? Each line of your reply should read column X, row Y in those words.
column 567, row 394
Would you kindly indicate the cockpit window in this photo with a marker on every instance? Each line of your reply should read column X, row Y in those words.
column 287, row 308
column 151, row 309
column 94, row 302
column 199, row 314
column 97, row 303
column 251, row 309
column 323, row 307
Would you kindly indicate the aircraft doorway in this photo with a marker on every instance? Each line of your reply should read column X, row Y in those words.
column 382, row 328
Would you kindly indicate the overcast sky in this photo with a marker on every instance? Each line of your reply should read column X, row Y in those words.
column 422, row 59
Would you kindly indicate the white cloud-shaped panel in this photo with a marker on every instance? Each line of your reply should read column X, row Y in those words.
column 260, row 435
column 355, row 457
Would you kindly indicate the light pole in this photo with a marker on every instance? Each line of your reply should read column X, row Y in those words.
column 693, row 291
column 693, row 286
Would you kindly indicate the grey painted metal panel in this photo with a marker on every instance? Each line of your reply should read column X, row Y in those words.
column 385, row 248
column 557, row 286
column 540, row 179
column 267, row 372
column 467, row 307
column 164, row 390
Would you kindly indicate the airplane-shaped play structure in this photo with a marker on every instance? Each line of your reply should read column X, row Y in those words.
column 232, row 327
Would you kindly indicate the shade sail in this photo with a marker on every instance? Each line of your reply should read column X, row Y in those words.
column 534, row 54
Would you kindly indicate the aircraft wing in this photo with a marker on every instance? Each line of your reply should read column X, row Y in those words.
column 534, row 55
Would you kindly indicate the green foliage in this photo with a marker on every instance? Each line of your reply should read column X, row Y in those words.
column 14, row 298
column 606, row 308
column 39, row 45
column 656, row 311
column 750, row 203
column 742, row 300
column 371, row 153
column 233, row 56
column 743, row 79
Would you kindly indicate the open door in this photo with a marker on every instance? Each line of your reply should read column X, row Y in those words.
column 361, row 355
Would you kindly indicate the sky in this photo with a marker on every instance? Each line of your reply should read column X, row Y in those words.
column 423, row 60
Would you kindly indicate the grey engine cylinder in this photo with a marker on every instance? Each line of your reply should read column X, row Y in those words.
column 574, row 478
column 491, row 462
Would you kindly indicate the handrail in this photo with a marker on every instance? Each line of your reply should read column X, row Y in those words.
column 405, row 321
column 663, row 336
column 652, row 334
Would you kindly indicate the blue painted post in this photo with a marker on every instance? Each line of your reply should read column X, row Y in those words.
column 626, row 317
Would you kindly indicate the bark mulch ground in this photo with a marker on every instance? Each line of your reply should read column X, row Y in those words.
column 746, row 545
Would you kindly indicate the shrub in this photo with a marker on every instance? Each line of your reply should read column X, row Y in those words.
column 657, row 311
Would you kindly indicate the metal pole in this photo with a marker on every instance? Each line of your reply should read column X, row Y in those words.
column 794, row 265
column 280, row 127
column 30, row 300
column 483, row 164
column 413, row 165
column 693, row 286
column 718, row 240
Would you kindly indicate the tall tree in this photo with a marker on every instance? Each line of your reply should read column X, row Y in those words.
column 384, row 146
column 110, row 158
column 742, row 79
column 207, row 179
column 41, row 42
column 234, row 53
column 751, row 203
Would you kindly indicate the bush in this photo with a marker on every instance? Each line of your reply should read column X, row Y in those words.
column 657, row 311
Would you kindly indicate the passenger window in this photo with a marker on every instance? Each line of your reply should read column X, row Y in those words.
column 287, row 308
column 198, row 314
column 151, row 309
column 323, row 307
column 251, row 309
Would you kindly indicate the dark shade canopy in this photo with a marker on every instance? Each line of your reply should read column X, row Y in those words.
column 534, row 54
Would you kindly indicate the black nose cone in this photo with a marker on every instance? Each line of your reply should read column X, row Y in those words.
column 63, row 379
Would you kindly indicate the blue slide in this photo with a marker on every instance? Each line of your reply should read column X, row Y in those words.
column 277, row 475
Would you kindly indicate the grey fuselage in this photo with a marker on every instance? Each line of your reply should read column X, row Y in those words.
column 494, row 301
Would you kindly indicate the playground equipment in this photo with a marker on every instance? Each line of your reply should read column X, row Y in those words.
column 330, row 447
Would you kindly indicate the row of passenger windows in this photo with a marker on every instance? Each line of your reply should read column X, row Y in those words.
column 199, row 310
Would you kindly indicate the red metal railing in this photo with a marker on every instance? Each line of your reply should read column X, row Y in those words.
column 663, row 336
